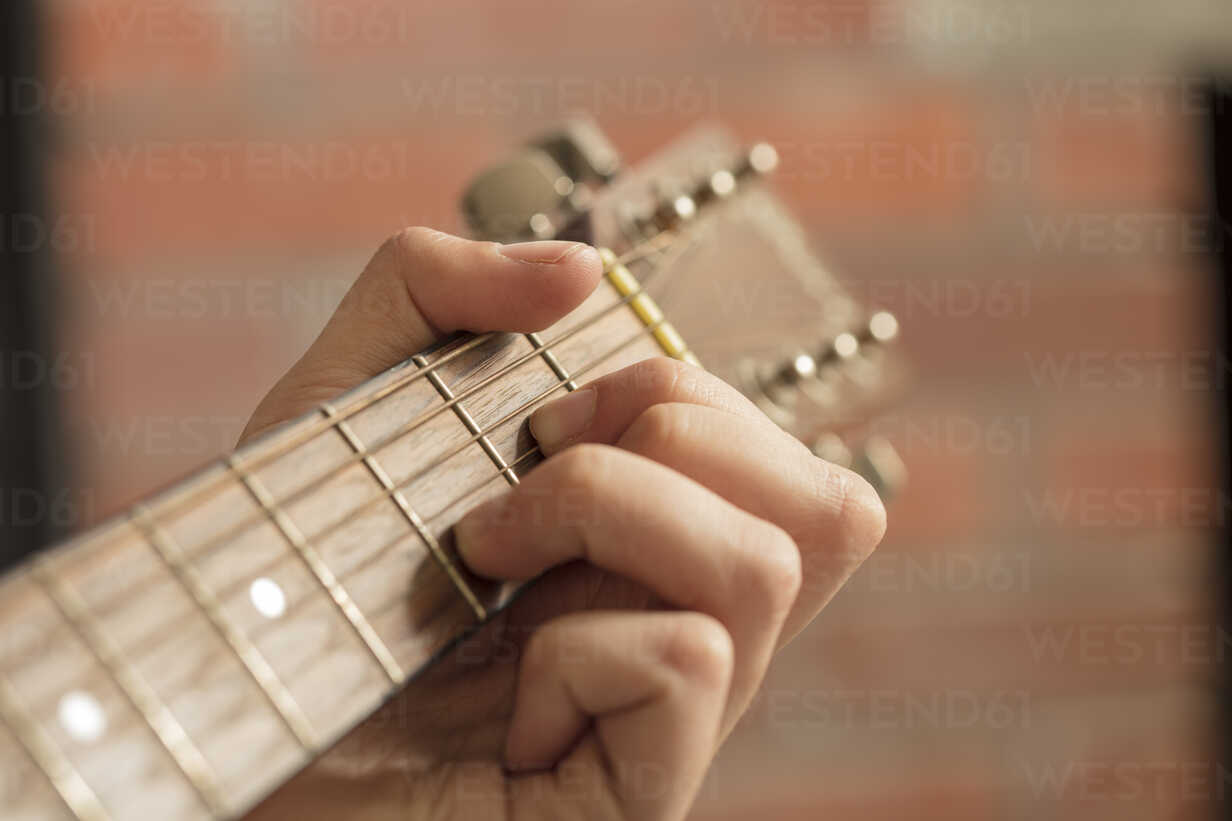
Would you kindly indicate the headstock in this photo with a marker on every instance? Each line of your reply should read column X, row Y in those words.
column 731, row 268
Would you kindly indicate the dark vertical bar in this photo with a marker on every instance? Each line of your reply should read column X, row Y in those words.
column 29, row 473
column 1219, row 133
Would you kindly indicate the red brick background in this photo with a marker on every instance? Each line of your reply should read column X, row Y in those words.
column 1036, row 636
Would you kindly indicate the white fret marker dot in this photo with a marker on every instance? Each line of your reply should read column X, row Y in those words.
column 267, row 597
column 82, row 717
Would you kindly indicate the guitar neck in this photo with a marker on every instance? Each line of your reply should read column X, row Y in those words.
column 188, row 657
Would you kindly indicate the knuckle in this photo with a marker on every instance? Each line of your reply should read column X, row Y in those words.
column 659, row 376
column 578, row 483
column 699, row 651
column 663, row 379
column 408, row 243
column 775, row 571
column 656, row 428
column 584, row 466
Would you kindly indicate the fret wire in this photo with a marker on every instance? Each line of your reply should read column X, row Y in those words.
column 391, row 490
column 409, row 427
column 468, row 422
column 414, row 477
column 537, row 343
column 172, row 506
column 646, row 251
column 68, row 783
column 647, row 330
column 462, row 446
column 324, row 575
column 258, row 667
column 293, row 607
column 389, row 493
column 643, row 250
column 77, row 795
column 201, row 550
column 380, row 552
column 135, row 688
column 397, row 434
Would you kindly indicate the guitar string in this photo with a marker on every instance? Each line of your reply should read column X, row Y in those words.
column 154, row 640
column 643, row 250
column 170, row 507
column 408, row 428
column 643, row 331
column 385, row 495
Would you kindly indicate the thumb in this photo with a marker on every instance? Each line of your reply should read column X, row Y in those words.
column 419, row 286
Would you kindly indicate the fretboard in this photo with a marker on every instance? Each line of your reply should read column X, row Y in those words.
column 185, row 659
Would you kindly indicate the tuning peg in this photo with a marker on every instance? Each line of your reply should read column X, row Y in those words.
column 674, row 210
column 849, row 356
column 716, row 186
column 832, row 448
column 760, row 159
column 721, row 183
column 780, row 384
column 882, row 327
column 879, row 463
column 876, row 460
column 544, row 187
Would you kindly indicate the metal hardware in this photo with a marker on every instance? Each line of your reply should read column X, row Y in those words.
column 875, row 459
column 806, row 376
column 542, row 188
column 879, row 463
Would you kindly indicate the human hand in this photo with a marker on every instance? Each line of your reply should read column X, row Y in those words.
column 684, row 537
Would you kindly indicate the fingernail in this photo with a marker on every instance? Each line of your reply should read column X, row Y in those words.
column 541, row 252
column 564, row 419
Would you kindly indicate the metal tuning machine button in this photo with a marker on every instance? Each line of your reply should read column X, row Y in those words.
column 544, row 187
column 672, row 204
column 814, row 379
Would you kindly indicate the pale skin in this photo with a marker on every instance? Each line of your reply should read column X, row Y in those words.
column 685, row 537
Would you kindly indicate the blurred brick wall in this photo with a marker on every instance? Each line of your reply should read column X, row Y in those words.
column 1036, row 636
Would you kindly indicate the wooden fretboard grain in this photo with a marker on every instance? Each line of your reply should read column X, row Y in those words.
column 347, row 514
